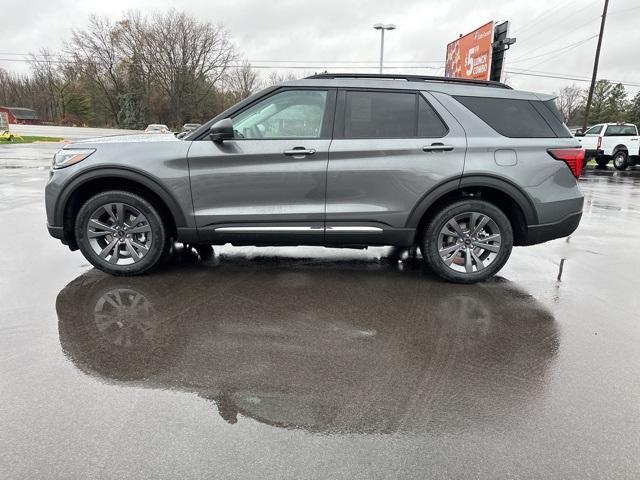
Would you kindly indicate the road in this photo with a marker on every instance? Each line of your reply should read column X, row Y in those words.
column 320, row 363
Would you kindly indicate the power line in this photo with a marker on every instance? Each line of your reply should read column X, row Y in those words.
column 555, row 56
column 563, row 21
column 568, row 47
column 564, row 35
column 614, row 12
column 536, row 20
column 566, row 76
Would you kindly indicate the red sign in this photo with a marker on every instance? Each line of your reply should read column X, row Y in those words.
column 470, row 56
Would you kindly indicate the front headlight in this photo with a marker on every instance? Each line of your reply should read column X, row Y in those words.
column 67, row 157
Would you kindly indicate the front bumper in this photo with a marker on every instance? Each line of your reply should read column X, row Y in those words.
column 549, row 231
column 59, row 234
column 56, row 232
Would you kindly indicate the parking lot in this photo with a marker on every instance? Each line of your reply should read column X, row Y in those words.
column 319, row 363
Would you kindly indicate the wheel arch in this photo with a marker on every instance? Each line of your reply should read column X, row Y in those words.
column 620, row 147
column 88, row 184
column 504, row 194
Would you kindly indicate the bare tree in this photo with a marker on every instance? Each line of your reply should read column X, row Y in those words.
column 98, row 55
column 48, row 75
column 241, row 82
column 181, row 56
column 570, row 99
column 276, row 78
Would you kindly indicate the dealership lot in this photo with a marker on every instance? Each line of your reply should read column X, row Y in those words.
column 319, row 363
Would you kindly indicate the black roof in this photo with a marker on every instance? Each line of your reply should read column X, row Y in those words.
column 22, row 113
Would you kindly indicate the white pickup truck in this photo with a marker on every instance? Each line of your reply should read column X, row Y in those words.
column 612, row 141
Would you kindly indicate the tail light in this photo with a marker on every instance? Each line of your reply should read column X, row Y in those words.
column 573, row 157
column 599, row 144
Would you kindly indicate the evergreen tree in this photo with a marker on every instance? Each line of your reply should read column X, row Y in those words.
column 598, row 110
column 131, row 113
column 633, row 110
column 77, row 109
column 616, row 104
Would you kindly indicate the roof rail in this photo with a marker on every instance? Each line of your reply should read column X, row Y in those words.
column 412, row 78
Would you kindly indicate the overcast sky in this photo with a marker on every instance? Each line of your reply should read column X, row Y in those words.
column 552, row 35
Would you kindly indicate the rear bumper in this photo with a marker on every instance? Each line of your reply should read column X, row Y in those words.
column 593, row 154
column 549, row 231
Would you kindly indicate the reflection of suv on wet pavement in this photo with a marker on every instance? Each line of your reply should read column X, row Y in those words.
column 464, row 169
column 612, row 141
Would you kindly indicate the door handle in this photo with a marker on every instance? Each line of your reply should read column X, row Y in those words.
column 299, row 152
column 437, row 147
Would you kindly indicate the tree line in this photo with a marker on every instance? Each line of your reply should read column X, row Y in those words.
column 610, row 103
column 160, row 68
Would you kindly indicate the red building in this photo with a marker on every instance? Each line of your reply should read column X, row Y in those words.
column 25, row 116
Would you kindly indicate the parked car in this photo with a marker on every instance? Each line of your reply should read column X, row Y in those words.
column 157, row 128
column 463, row 169
column 187, row 128
column 612, row 141
column 190, row 127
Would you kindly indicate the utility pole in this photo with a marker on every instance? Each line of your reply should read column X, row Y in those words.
column 595, row 67
column 382, row 28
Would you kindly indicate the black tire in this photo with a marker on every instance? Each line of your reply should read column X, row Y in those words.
column 156, row 248
column 602, row 162
column 431, row 237
column 620, row 160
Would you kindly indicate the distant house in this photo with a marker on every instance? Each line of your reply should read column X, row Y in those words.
column 21, row 115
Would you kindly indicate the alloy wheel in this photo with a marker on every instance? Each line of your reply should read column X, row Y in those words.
column 119, row 233
column 469, row 242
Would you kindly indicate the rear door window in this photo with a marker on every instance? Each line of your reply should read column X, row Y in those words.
column 378, row 114
column 516, row 118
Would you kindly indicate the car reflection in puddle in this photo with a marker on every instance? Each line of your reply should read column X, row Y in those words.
column 329, row 346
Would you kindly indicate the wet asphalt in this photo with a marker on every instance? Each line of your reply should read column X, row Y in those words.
column 319, row 363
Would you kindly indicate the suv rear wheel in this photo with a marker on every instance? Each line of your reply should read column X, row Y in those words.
column 121, row 233
column 467, row 241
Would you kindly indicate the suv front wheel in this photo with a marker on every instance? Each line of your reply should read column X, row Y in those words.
column 467, row 241
column 121, row 233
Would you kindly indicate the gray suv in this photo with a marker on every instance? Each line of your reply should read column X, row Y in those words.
column 463, row 169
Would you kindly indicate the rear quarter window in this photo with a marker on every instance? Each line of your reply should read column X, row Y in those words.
column 517, row 118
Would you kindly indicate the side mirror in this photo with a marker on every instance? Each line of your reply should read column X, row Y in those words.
column 221, row 130
column 579, row 133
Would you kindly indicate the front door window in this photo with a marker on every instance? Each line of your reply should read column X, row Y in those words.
column 289, row 114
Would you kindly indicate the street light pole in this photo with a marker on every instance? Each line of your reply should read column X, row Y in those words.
column 382, row 28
